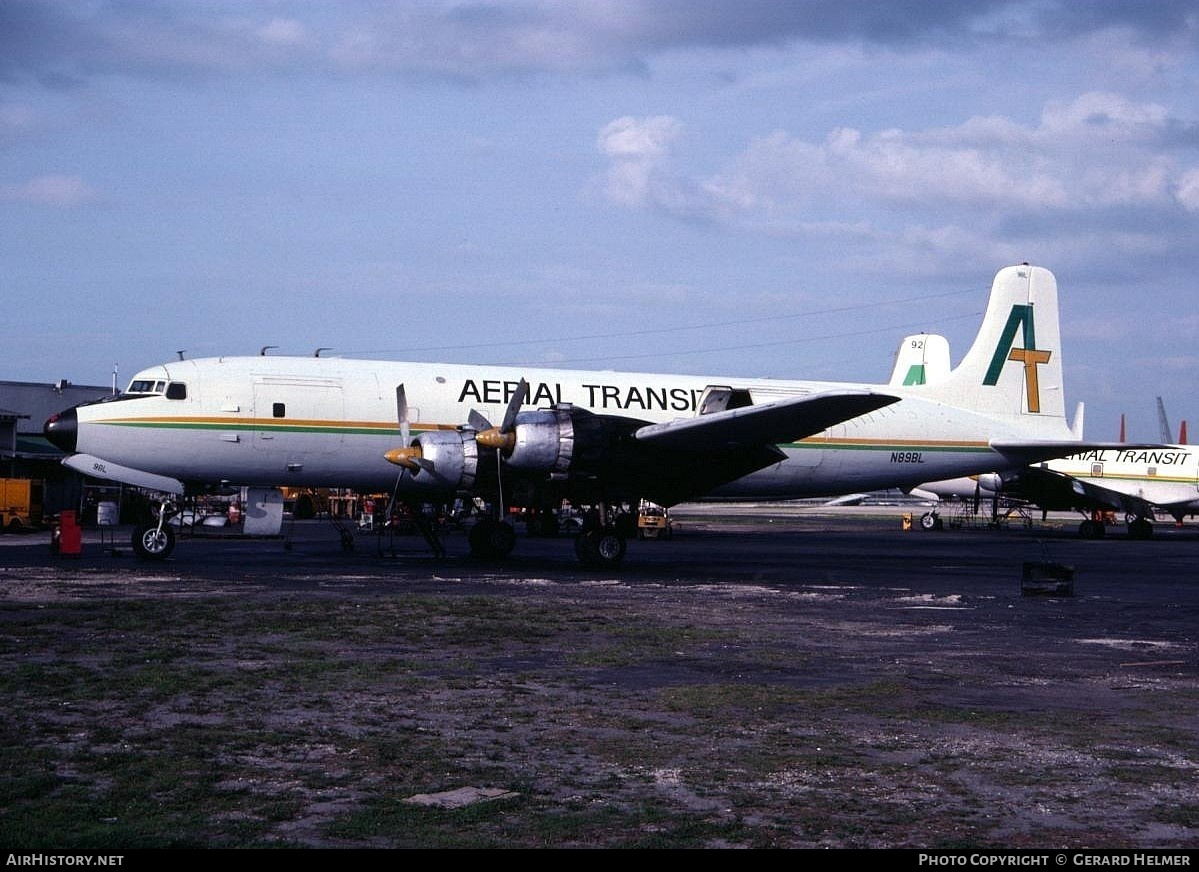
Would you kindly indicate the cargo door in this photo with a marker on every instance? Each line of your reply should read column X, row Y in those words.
column 301, row 417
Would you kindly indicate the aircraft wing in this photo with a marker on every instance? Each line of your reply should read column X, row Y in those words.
column 1080, row 493
column 1126, row 503
column 764, row 425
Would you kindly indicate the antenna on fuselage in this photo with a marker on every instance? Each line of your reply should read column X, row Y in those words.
column 180, row 353
column 322, row 348
column 265, row 349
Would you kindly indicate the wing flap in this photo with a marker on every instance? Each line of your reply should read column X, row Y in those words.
column 767, row 424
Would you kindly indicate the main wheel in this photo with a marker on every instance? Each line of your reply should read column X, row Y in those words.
column 1089, row 529
column 1140, row 529
column 491, row 540
column 930, row 521
column 151, row 543
column 601, row 548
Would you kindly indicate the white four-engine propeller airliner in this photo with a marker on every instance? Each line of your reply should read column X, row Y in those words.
column 425, row 431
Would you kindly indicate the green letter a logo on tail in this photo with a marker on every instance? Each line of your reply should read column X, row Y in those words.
column 1021, row 316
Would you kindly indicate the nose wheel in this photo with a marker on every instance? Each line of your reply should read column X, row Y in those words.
column 153, row 541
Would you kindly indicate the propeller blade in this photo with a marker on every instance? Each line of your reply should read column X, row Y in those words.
column 408, row 455
column 518, row 398
column 402, row 413
column 477, row 422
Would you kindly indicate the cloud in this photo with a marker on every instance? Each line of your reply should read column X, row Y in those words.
column 51, row 190
column 282, row 31
column 1188, row 190
column 639, row 172
column 1097, row 151
column 64, row 44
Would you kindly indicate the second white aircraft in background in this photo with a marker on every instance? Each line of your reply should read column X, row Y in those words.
column 1136, row 481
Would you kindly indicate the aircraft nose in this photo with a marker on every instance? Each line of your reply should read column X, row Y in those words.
column 63, row 430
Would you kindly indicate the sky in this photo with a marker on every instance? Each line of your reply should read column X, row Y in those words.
column 750, row 188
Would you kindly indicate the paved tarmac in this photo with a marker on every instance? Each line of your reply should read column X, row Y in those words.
column 978, row 709
column 865, row 547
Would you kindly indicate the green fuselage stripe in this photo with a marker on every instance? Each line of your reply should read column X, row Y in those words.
column 365, row 428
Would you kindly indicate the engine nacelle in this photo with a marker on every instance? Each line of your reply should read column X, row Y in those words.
column 449, row 461
column 993, row 482
column 545, row 441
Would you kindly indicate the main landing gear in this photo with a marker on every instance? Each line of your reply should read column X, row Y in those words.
column 491, row 539
column 1095, row 527
column 602, row 543
column 602, row 547
column 604, row 538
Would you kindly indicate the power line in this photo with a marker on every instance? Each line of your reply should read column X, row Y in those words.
column 608, row 357
column 624, row 334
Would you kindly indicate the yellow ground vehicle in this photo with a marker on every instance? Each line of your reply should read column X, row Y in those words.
column 20, row 503
column 653, row 522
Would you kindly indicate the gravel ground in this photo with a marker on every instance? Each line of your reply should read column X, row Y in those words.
column 817, row 687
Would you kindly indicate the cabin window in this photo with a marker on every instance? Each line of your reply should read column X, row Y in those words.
column 1152, row 470
column 176, row 391
column 1096, row 469
column 279, row 410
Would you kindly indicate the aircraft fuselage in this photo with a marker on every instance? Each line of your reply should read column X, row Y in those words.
column 280, row 421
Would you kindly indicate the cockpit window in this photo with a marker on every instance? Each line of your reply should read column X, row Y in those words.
column 142, row 387
column 146, row 386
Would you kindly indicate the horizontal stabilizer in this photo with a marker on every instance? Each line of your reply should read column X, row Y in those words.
column 109, row 471
column 767, row 424
column 1026, row 453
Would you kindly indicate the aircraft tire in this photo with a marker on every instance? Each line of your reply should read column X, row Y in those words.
column 930, row 521
column 491, row 540
column 150, row 543
column 1089, row 529
column 601, row 548
column 1140, row 529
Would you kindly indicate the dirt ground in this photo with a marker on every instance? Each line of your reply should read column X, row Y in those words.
column 813, row 689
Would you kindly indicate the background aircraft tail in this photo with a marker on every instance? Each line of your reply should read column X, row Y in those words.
column 1014, row 367
column 922, row 359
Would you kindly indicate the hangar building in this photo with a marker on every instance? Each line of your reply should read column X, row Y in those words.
column 25, row 452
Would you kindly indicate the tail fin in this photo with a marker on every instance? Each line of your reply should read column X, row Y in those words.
column 1014, row 367
column 1162, row 422
column 921, row 359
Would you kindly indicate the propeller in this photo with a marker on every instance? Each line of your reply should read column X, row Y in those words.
column 503, row 437
column 408, row 456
